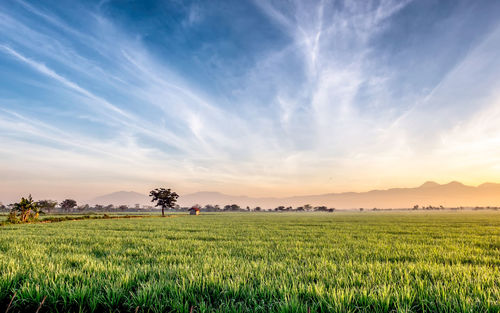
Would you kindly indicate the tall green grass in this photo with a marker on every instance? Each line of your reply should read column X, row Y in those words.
column 341, row 262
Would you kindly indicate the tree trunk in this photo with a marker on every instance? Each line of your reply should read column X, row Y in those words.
column 163, row 211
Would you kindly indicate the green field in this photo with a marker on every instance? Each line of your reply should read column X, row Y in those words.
column 251, row 262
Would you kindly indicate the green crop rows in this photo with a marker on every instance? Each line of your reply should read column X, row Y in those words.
column 246, row 262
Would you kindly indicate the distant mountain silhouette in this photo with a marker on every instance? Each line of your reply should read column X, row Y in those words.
column 121, row 197
column 452, row 194
column 429, row 184
column 430, row 193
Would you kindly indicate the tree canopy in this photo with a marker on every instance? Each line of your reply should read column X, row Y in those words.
column 46, row 205
column 68, row 204
column 164, row 198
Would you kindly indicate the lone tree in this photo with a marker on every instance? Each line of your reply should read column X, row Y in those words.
column 165, row 198
column 68, row 204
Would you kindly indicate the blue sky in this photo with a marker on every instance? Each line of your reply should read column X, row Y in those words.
column 257, row 98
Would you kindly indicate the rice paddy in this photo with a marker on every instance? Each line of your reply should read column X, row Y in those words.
column 256, row 262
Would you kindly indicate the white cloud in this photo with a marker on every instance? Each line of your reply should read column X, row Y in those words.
column 294, row 124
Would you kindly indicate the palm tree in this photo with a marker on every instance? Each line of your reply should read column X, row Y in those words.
column 26, row 208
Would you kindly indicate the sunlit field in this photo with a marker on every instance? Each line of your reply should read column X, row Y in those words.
column 251, row 262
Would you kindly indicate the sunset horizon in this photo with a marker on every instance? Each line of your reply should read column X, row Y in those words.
column 453, row 197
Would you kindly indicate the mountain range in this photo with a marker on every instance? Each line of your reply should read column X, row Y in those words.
column 452, row 194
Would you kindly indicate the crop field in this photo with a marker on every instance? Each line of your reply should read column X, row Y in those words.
column 256, row 262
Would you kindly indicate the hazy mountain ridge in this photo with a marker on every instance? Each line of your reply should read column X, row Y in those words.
column 430, row 193
column 121, row 197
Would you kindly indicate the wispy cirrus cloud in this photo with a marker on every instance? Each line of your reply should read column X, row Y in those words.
column 292, row 97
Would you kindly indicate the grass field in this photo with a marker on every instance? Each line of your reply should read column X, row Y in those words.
column 341, row 262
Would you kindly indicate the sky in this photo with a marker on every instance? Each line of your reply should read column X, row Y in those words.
column 261, row 98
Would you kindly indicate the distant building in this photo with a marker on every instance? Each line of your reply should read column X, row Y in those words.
column 194, row 211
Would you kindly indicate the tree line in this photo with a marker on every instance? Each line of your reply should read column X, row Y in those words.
column 162, row 197
column 27, row 209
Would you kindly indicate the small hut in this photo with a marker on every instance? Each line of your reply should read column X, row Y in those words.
column 194, row 211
